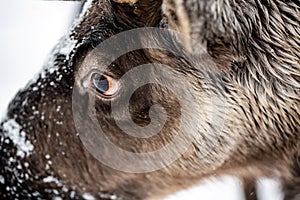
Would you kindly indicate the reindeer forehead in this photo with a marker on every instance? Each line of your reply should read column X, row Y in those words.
column 102, row 19
column 95, row 16
column 108, row 17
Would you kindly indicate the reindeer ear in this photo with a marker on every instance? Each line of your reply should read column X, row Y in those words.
column 208, row 24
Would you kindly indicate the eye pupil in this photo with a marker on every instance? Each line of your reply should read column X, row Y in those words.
column 104, row 86
column 100, row 83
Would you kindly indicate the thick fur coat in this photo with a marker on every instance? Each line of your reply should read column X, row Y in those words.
column 254, row 48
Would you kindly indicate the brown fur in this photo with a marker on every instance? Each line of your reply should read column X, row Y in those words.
column 255, row 46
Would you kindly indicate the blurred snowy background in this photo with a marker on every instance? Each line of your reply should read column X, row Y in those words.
column 30, row 29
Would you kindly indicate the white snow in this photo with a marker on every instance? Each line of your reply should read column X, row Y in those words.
column 212, row 189
column 88, row 196
column 72, row 194
column 57, row 198
column 12, row 130
column 269, row 189
column 26, row 164
column 51, row 179
column 229, row 188
column 67, row 46
column 87, row 5
column 1, row 179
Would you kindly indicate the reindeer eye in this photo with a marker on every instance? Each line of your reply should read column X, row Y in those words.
column 104, row 85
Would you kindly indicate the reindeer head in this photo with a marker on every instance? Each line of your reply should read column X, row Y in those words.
column 146, row 97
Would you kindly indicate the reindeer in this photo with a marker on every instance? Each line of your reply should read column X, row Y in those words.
column 231, row 99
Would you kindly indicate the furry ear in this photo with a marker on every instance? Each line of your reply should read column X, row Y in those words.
column 208, row 24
